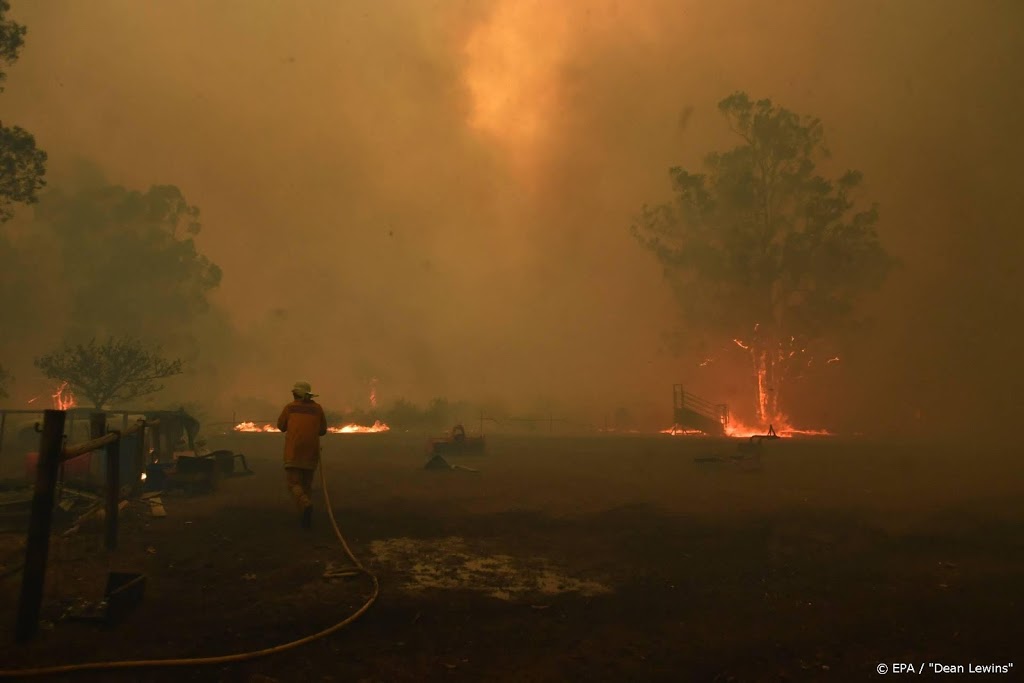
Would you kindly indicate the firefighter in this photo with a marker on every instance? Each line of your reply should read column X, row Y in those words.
column 303, row 422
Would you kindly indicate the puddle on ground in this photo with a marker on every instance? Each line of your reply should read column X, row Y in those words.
column 451, row 563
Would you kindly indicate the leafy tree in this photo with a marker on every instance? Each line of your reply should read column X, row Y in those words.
column 22, row 166
column 130, row 259
column 761, row 249
column 438, row 413
column 119, row 369
column 402, row 413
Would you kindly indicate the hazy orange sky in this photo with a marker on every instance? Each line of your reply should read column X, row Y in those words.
column 455, row 181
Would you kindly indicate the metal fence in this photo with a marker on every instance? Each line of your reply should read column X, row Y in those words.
column 52, row 454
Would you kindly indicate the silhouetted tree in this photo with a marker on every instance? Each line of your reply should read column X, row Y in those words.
column 22, row 166
column 402, row 413
column 438, row 413
column 119, row 369
column 762, row 250
column 130, row 259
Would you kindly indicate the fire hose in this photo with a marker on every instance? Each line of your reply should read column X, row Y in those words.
column 358, row 569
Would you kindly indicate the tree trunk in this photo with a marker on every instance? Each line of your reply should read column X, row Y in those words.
column 768, row 376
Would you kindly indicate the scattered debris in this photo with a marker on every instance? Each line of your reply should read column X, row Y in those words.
column 457, row 441
column 101, row 512
column 69, row 491
column 124, row 592
column 439, row 463
column 156, row 506
column 452, row 563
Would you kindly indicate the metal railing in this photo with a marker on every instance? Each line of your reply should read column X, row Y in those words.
column 688, row 401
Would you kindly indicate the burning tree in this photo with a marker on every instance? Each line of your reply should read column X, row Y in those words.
column 760, row 249
column 119, row 369
column 22, row 166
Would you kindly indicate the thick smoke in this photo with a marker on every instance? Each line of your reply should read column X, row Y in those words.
column 439, row 194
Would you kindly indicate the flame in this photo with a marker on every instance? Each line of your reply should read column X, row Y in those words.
column 738, row 429
column 63, row 399
column 373, row 392
column 781, row 425
column 676, row 430
column 32, row 400
column 375, row 428
column 253, row 427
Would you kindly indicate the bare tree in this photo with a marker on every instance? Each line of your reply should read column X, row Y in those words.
column 119, row 369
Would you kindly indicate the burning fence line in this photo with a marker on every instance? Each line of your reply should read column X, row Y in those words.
column 376, row 428
column 739, row 430
column 676, row 430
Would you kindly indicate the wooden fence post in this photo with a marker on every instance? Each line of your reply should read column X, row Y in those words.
column 113, row 490
column 97, row 425
column 157, row 431
column 97, row 428
column 141, row 455
column 37, row 546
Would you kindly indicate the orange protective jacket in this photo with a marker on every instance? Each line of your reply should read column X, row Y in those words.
column 303, row 422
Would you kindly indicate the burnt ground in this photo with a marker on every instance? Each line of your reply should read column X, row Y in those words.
column 607, row 558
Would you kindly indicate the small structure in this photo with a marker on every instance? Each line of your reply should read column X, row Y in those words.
column 690, row 411
column 458, row 442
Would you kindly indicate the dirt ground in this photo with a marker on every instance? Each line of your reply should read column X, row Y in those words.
column 611, row 558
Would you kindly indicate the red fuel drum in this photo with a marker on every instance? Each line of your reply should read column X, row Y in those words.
column 77, row 468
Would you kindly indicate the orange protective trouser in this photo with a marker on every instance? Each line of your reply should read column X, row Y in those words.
column 300, row 485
